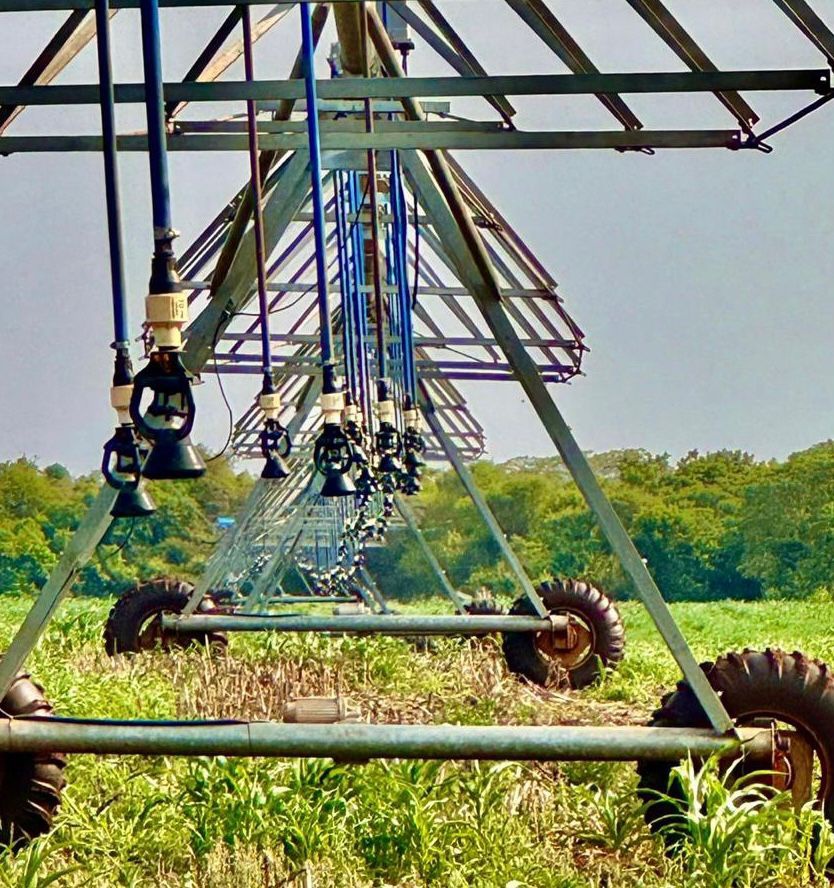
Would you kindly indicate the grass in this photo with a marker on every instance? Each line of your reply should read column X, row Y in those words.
column 217, row 823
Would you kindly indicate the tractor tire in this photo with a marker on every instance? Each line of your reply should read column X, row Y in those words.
column 133, row 625
column 602, row 637
column 30, row 783
column 774, row 686
column 484, row 607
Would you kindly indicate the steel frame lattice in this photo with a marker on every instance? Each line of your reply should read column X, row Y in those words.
column 480, row 291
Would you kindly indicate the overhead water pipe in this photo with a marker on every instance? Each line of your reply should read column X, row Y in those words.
column 274, row 439
column 170, row 416
column 387, row 440
column 333, row 453
column 121, row 462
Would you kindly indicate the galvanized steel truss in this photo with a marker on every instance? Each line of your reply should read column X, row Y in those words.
column 454, row 217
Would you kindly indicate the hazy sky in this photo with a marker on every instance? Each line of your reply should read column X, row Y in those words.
column 703, row 279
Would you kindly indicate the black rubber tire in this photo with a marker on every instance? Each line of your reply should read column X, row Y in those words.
column 786, row 687
column 589, row 604
column 30, row 783
column 484, row 607
column 136, row 608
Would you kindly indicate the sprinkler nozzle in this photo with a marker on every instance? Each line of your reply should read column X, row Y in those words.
column 169, row 419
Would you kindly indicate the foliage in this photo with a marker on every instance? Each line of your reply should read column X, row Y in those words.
column 40, row 508
column 711, row 526
column 264, row 823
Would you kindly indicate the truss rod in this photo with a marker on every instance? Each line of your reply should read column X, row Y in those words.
column 811, row 25
column 552, row 32
column 420, row 140
column 73, row 35
column 674, row 35
column 421, row 87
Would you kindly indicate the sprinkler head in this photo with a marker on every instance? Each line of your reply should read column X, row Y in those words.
column 275, row 446
column 336, row 484
column 412, row 461
column 388, row 465
column 121, row 466
column 169, row 419
column 174, row 459
column 366, row 482
column 411, row 485
column 388, row 444
column 333, row 457
column 133, row 502
column 275, row 469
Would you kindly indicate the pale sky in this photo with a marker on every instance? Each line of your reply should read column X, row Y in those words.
column 702, row 278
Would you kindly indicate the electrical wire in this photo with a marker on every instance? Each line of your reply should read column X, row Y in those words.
column 222, row 388
column 462, row 354
column 123, row 544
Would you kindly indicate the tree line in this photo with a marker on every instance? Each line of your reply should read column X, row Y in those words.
column 710, row 526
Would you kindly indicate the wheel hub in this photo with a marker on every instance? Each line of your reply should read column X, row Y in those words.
column 570, row 648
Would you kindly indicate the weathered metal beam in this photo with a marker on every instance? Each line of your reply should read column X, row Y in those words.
column 552, row 32
column 237, row 288
column 373, row 589
column 51, row 5
column 211, row 62
column 423, row 140
column 73, row 35
column 487, row 296
column 673, row 34
column 453, row 49
column 424, row 341
column 811, row 25
column 350, row 624
column 480, row 503
column 360, row 742
column 266, row 127
column 76, row 553
column 267, row 160
column 407, row 513
column 816, row 79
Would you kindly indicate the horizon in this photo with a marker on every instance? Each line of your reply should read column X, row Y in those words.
column 243, row 465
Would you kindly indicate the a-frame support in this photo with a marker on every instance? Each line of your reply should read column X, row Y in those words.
column 440, row 198
column 252, row 503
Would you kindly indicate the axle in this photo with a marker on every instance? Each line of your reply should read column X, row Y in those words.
column 362, row 742
column 384, row 624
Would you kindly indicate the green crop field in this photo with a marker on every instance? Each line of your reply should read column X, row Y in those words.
column 215, row 822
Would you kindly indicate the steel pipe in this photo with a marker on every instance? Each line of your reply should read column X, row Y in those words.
column 422, row 138
column 360, row 742
column 313, row 599
column 383, row 624
column 767, row 80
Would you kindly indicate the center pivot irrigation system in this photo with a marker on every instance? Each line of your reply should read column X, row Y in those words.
column 381, row 276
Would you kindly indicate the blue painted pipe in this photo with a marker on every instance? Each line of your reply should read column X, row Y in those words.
column 348, row 333
column 257, row 209
column 314, row 139
column 155, row 111
column 359, row 300
column 121, row 330
column 400, row 215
